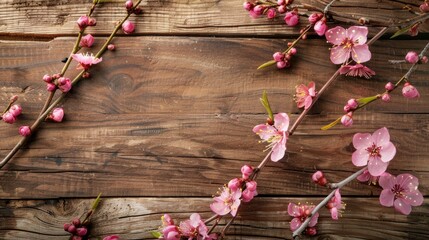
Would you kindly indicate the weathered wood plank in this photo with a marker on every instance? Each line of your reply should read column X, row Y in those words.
column 264, row 218
column 208, row 17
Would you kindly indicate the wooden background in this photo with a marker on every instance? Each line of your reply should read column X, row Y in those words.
column 166, row 120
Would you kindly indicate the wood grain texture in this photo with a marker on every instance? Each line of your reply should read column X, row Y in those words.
column 40, row 18
column 263, row 218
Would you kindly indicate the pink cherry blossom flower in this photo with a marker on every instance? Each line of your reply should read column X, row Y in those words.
column 300, row 213
column 409, row 91
column 57, row 115
column 87, row 41
column 111, row 237
column 194, row 227
column 275, row 135
column 305, row 94
column 348, row 42
column 24, row 131
column 357, row 70
column 85, row 60
column 227, row 202
column 400, row 192
column 128, row 27
column 335, row 205
column 374, row 150
column 291, row 18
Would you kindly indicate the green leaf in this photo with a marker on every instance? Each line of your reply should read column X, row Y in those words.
column 96, row 202
column 156, row 234
column 267, row 64
column 327, row 127
column 266, row 104
column 364, row 101
column 401, row 31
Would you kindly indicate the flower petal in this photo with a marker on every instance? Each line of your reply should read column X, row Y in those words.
column 278, row 151
column 402, row 207
column 357, row 34
column 313, row 220
column 408, row 181
column 336, row 35
column 234, row 207
column 364, row 177
column 293, row 210
column 361, row 53
column 360, row 157
column 362, row 140
column 387, row 181
column 312, row 89
column 381, row 137
column 376, row 167
column 334, row 213
column 307, row 102
column 387, row 152
column 281, row 121
column 294, row 224
column 220, row 208
column 265, row 131
column 339, row 54
column 387, row 197
column 414, row 198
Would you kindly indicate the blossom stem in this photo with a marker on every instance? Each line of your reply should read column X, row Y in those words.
column 223, row 233
column 316, row 209
column 212, row 218
column 326, row 9
column 260, row 166
column 327, row 84
column 43, row 116
column 214, row 225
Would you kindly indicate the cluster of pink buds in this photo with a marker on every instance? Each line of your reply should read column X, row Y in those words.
column 11, row 114
column 349, row 108
column 129, row 5
column 57, row 81
column 194, row 228
column 413, row 57
column 319, row 22
column 85, row 21
column 283, row 59
column 76, row 228
column 271, row 10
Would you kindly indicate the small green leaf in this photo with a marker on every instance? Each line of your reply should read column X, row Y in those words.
column 266, row 104
column 327, row 127
column 401, row 31
column 96, row 202
column 267, row 64
column 366, row 100
column 156, row 234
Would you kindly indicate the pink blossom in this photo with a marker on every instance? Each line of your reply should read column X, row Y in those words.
column 424, row 7
column 47, row 78
column 347, row 119
column 335, row 205
column 250, row 192
column 305, row 94
column 320, row 27
column 414, row 30
column 424, row 59
column 283, row 64
column 85, row 60
column 64, row 84
column 111, row 47
column 271, row 13
column 171, row 232
column 227, row 202
column 389, row 86
column 87, row 41
column 281, row 9
column 357, row 70
column 128, row 27
column 92, row 22
column 319, row 178
column 409, row 91
column 412, row 57
column 194, row 227
column 15, row 110
column 385, row 97
column 400, row 192
column 82, row 22
column 129, row 4
column 300, row 213
column 57, row 115
column 275, row 135
column 291, row 18
column 8, row 117
column 51, row 87
column 315, row 17
column 374, row 150
column 248, row 6
column 24, row 131
column 348, row 42
column 352, row 104
column 234, row 184
column 111, row 237
column 246, row 171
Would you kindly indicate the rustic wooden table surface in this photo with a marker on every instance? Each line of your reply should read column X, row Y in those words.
column 166, row 120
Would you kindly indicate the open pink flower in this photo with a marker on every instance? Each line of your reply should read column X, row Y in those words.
column 335, row 205
column 85, row 60
column 227, row 202
column 194, row 227
column 357, row 70
column 300, row 213
column 275, row 135
column 400, row 192
column 348, row 42
column 305, row 94
column 374, row 150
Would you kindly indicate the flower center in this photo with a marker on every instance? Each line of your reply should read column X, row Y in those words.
column 374, row 150
column 397, row 190
column 347, row 43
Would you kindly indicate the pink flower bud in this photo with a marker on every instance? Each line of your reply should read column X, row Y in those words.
column 246, row 170
column 64, row 84
column 282, row 64
column 66, row 226
column 291, row 18
column 281, row 2
column 424, row 7
column 385, row 97
column 320, row 27
column 347, row 108
column 424, row 59
column 352, row 103
column 8, row 117
column 271, row 13
column 409, row 91
column 92, row 22
column 81, row 231
column 76, row 222
column 57, row 116
column 82, row 22
column 170, row 232
column 56, row 76
column 315, row 17
column 15, row 110
column 47, row 78
column 86, row 75
column 234, row 184
column 76, row 238
column 87, row 41
column 278, row 56
column 24, row 131
column 292, row 51
column 111, row 237
column 258, row 10
column 414, row 30
column 347, row 120
column 71, row 229
column 166, row 220
column 311, row 231
column 248, row 6
column 129, row 4
column 412, row 57
column 138, row 11
column 128, row 27
column 281, row 9
column 51, row 87
column 111, row 47
column 319, row 178
column 251, row 186
column 247, row 195
column 389, row 86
